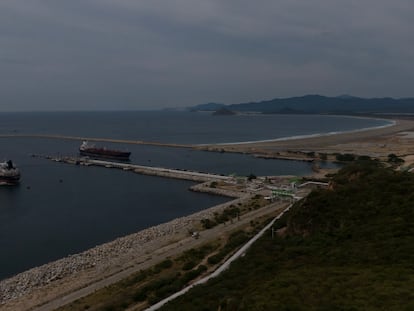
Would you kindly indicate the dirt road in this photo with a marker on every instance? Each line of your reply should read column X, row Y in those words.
column 170, row 250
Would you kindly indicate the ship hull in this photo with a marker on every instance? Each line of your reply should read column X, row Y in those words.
column 107, row 154
column 5, row 181
column 97, row 152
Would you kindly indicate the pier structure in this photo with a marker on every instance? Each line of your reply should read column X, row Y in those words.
column 236, row 187
column 146, row 170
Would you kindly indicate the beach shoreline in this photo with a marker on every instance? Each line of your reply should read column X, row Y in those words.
column 375, row 142
column 391, row 122
column 308, row 136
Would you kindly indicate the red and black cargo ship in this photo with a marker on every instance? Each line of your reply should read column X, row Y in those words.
column 89, row 150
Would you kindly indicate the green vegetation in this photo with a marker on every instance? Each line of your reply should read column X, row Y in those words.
column 347, row 248
column 235, row 240
column 364, row 158
column 394, row 159
column 347, row 157
column 323, row 156
column 165, row 278
column 126, row 292
column 194, row 256
column 319, row 104
column 251, row 177
column 232, row 212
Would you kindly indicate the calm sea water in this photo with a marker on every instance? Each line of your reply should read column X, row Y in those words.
column 178, row 127
column 59, row 209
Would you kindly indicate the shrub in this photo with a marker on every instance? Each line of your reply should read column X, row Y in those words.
column 163, row 265
column 364, row 158
column 207, row 223
column 347, row 157
column 215, row 259
column 394, row 159
column 189, row 265
column 323, row 156
column 251, row 177
column 191, row 275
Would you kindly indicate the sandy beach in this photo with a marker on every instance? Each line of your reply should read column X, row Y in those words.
column 376, row 142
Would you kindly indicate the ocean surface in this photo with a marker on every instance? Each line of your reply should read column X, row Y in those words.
column 60, row 209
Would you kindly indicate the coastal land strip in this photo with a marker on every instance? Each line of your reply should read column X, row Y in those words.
column 58, row 283
column 377, row 142
column 397, row 138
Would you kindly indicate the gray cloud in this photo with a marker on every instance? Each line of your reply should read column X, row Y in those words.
column 125, row 54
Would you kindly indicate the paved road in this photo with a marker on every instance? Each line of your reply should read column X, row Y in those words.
column 159, row 170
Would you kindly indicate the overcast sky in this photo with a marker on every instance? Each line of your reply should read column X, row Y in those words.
column 137, row 54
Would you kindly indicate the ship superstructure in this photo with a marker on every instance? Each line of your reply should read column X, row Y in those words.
column 9, row 173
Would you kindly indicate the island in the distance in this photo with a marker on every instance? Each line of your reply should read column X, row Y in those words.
column 318, row 104
column 223, row 112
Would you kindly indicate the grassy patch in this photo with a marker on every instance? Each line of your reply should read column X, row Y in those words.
column 233, row 212
column 165, row 278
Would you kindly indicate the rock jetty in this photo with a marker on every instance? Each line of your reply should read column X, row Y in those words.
column 100, row 259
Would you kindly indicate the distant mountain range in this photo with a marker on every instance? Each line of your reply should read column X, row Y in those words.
column 207, row 107
column 317, row 104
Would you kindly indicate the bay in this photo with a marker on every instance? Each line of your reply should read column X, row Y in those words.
column 59, row 209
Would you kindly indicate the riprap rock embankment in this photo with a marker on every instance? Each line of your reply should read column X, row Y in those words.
column 101, row 260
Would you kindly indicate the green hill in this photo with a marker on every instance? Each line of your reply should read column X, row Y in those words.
column 317, row 104
column 347, row 248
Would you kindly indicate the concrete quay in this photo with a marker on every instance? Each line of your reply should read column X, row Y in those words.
column 146, row 170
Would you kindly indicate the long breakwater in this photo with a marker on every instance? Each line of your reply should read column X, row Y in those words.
column 97, row 139
column 140, row 169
